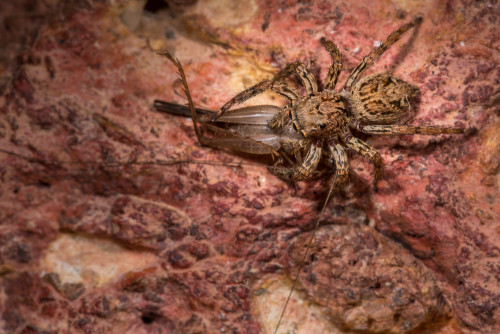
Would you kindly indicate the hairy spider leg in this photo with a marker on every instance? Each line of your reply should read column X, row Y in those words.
column 339, row 157
column 404, row 129
column 378, row 51
column 302, row 72
column 336, row 65
column 276, row 86
column 304, row 170
column 366, row 151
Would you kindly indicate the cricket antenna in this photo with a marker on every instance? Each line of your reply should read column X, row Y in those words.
column 309, row 244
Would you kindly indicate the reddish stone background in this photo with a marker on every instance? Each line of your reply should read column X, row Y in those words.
column 77, row 82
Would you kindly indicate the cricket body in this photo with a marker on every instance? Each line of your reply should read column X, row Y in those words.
column 317, row 125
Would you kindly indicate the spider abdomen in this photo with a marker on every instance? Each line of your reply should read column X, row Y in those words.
column 381, row 98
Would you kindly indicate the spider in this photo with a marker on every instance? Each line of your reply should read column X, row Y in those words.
column 322, row 120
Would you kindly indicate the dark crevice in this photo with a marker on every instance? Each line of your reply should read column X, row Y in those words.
column 154, row 6
column 149, row 317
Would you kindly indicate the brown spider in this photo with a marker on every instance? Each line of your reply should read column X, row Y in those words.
column 316, row 124
column 322, row 120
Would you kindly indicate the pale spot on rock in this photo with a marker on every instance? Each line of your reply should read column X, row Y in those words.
column 301, row 315
column 92, row 261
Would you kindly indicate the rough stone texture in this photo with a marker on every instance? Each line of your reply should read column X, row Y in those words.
column 114, row 219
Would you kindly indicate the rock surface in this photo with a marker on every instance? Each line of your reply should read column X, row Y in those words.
column 114, row 218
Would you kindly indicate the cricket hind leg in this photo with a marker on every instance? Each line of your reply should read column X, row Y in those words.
column 192, row 109
column 302, row 72
column 244, row 145
column 267, row 142
column 378, row 51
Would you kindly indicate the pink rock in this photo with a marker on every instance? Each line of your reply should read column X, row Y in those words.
column 180, row 238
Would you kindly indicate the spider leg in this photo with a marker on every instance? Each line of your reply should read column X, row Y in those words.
column 404, row 129
column 339, row 157
column 282, row 118
column 378, row 51
column 335, row 67
column 368, row 152
column 302, row 171
column 276, row 86
column 302, row 72
column 286, row 158
column 294, row 147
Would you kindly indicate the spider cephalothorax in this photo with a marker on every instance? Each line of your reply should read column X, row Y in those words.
column 320, row 122
column 320, row 115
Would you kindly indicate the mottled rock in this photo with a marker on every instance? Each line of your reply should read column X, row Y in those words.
column 113, row 217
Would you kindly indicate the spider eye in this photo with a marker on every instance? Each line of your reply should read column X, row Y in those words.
column 322, row 125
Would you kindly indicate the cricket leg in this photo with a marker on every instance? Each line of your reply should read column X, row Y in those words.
column 194, row 115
